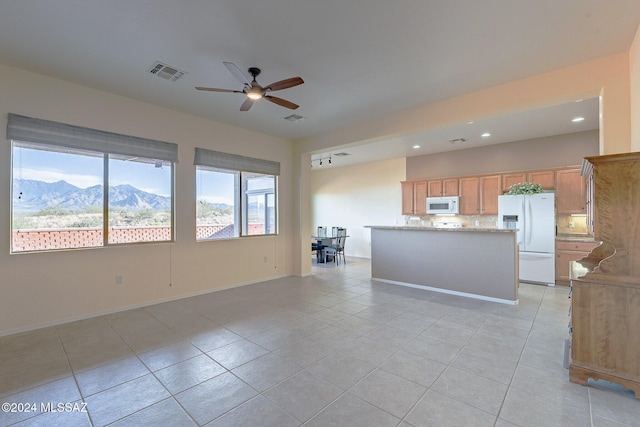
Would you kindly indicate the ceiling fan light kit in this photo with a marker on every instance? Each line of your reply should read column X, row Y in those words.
column 254, row 91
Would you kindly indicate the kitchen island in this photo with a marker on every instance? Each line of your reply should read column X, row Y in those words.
column 478, row 263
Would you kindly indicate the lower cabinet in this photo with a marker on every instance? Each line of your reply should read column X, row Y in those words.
column 605, row 323
column 567, row 251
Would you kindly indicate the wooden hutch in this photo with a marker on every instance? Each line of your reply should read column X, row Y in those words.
column 605, row 300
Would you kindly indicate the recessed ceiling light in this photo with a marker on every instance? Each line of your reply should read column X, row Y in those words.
column 486, row 135
column 415, row 147
column 577, row 119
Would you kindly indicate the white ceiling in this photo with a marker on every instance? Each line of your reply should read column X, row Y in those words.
column 360, row 59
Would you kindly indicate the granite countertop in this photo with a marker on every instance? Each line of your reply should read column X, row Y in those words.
column 428, row 228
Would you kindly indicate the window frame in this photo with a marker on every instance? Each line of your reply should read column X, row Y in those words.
column 44, row 135
column 236, row 206
column 233, row 163
column 246, row 193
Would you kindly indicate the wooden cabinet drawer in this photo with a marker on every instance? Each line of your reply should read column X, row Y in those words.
column 565, row 245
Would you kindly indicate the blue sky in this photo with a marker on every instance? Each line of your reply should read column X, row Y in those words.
column 86, row 171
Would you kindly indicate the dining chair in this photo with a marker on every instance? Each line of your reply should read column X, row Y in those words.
column 335, row 250
column 342, row 237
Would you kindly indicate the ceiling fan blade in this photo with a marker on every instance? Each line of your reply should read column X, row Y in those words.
column 215, row 89
column 248, row 103
column 238, row 74
column 281, row 102
column 284, row 84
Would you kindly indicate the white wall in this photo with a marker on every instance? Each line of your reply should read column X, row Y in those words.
column 355, row 196
column 46, row 288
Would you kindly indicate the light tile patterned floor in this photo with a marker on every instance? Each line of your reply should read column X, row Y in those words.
column 334, row 348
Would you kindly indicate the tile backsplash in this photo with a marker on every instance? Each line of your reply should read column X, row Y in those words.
column 568, row 224
column 565, row 224
column 484, row 221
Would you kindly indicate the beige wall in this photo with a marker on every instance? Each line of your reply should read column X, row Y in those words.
column 634, row 67
column 45, row 288
column 539, row 153
column 355, row 196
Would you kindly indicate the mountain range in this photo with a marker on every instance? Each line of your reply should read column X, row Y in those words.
column 32, row 196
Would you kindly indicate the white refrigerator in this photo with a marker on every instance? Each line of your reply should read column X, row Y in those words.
column 534, row 217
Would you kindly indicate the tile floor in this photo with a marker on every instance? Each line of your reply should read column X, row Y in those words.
column 334, row 348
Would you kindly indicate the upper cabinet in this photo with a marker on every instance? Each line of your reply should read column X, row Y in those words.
column 442, row 187
column 414, row 197
column 546, row 178
column 479, row 194
column 469, row 195
column 570, row 192
column 490, row 189
column 509, row 179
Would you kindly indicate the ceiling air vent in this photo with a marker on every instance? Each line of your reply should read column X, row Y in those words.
column 166, row 72
column 341, row 154
column 294, row 118
column 453, row 141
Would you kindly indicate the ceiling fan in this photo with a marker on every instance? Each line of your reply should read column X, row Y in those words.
column 254, row 91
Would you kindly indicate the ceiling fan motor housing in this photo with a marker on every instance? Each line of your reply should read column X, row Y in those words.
column 255, row 72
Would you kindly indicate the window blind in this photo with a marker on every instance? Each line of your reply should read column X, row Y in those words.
column 28, row 129
column 219, row 160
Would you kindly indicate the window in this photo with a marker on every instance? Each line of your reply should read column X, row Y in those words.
column 74, row 187
column 259, row 204
column 216, row 204
column 236, row 195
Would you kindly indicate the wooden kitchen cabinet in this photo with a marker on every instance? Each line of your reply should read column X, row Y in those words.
column 570, row 192
column 510, row 179
column 567, row 251
column 468, row 190
column 442, row 187
column 546, row 178
column 490, row 189
column 414, row 197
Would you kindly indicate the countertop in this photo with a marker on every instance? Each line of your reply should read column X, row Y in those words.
column 426, row 228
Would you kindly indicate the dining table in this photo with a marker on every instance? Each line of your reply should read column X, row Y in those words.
column 321, row 243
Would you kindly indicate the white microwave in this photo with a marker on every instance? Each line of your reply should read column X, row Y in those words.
column 443, row 205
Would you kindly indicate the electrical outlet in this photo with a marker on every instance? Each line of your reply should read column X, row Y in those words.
column 266, row 259
column 119, row 280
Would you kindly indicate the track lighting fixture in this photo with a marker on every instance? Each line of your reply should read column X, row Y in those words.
column 320, row 160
